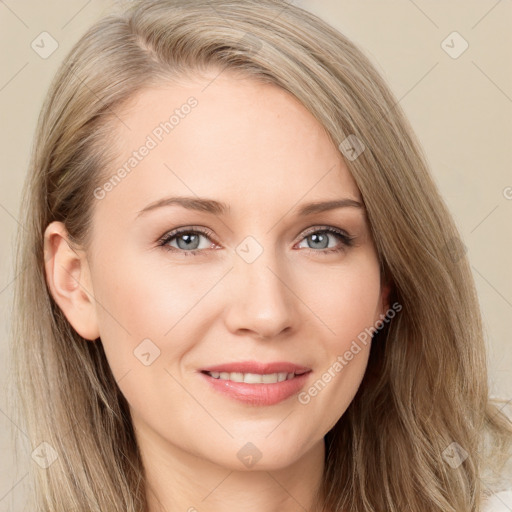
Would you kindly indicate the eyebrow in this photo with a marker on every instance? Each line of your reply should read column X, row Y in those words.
column 220, row 208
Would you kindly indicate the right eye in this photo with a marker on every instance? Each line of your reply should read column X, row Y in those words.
column 187, row 239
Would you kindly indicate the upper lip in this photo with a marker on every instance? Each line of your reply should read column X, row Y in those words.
column 257, row 367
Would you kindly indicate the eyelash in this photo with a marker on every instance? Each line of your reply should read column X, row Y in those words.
column 346, row 240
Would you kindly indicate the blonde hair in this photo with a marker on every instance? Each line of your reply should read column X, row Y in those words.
column 426, row 382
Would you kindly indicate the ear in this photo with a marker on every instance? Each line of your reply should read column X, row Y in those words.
column 385, row 296
column 68, row 277
column 386, row 288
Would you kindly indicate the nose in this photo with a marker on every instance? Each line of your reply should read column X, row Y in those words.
column 260, row 300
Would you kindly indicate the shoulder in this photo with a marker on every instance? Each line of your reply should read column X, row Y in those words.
column 498, row 502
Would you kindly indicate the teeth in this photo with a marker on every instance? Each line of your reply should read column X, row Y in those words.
column 253, row 378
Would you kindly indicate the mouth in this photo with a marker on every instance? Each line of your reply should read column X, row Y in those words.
column 257, row 384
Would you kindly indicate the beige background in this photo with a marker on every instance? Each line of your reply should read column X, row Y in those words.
column 461, row 109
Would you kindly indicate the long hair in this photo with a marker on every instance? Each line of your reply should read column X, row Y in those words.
column 425, row 392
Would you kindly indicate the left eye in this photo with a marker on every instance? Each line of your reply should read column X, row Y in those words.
column 188, row 241
column 320, row 239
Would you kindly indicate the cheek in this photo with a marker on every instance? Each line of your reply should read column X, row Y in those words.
column 141, row 299
column 144, row 297
column 139, row 321
column 349, row 307
column 136, row 304
column 345, row 299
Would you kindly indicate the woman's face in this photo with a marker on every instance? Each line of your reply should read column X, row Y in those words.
column 254, row 282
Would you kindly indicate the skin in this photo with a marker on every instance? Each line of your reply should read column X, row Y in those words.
column 256, row 148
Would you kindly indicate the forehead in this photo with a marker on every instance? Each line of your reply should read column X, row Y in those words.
column 223, row 136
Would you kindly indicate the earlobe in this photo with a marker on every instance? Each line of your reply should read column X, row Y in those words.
column 68, row 277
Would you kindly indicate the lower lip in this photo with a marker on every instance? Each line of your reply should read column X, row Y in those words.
column 258, row 394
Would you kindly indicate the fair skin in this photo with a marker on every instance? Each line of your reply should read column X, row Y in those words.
column 257, row 149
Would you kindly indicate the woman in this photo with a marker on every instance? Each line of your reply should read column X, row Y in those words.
column 243, row 286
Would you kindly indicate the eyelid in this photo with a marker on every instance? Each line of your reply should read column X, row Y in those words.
column 331, row 229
